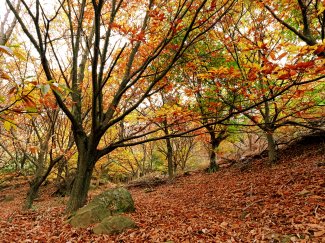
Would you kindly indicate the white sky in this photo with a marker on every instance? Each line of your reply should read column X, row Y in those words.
column 2, row 8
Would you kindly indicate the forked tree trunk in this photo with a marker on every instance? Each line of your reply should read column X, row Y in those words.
column 272, row 152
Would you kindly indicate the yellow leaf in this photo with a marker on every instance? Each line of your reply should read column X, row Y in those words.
column 7, row 125
column 20, row 54
column 259, row 44
column 321, row 9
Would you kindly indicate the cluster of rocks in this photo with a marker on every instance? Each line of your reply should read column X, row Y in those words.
column 105, row 211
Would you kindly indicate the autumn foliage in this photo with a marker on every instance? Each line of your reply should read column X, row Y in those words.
column 101, row 92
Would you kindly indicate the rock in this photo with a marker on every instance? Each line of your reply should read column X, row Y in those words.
column 114, row 225
column 118, row 200
column 108, row 203
column 89, row 214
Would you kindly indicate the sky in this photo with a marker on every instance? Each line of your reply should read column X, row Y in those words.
column 2, row 7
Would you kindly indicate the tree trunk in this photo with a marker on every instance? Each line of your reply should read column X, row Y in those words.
column 39, row 176
column 78, row 197
column 175, row 167
column 37, row 182
column 170, row 158
column 272, row 152
column 61, row 167
column 213, row 167
column 169, row 154
column 33, row 192
column 214, row 144
column 269, row 130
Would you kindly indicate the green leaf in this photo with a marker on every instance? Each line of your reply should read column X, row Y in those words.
column 32, row 109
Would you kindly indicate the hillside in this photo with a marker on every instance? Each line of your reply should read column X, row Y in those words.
column 284, row 203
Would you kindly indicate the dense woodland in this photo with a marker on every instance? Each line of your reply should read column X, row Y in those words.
column 146, row 92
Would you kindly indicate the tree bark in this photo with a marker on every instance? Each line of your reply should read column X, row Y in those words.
column 39, row 177
column 214, row 144
column 169, row 154
column 213, row 167
column 32, row 192
column 269, row 128
column 37, row 182
column 272, row 152
column 170, row 158
column 78, row 196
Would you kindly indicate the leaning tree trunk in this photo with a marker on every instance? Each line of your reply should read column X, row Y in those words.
column 272, row 152
column 32, row 192
column 38, row 178
column 37, row 182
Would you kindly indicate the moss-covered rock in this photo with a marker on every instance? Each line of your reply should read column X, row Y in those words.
column 108, row 203
column 114, row 225
column 89, row 214
column 118, row 200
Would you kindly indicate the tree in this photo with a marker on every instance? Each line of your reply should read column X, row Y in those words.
column 209, row 109
column 211, row 112
column 109, row 60
column 168, row 113
column 265, row 77
column 166, row 118
column 183, row 150
column 7, row 24
column 305, row 19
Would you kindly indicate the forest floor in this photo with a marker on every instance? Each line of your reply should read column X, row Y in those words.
column 283, row 203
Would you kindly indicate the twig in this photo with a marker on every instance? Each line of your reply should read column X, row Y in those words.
column 251, row 204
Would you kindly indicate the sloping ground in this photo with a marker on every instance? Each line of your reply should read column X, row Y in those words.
column 285, row 203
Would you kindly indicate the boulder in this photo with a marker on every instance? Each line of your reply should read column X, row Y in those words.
column 108, row 203
column 118, row 200
column 114, row 225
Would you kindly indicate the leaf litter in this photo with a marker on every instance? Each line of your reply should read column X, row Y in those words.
column 283, row 203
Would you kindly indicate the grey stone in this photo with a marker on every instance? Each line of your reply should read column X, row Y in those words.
column 114, row 225
column 108, row 203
